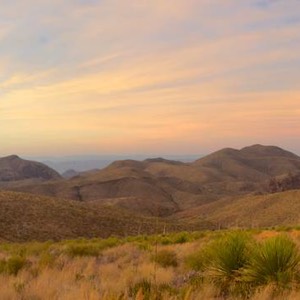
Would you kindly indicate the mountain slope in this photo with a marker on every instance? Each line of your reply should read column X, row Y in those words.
column 25, row 217
column 250, row 210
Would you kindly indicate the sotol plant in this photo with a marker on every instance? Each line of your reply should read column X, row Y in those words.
column 273, row 261
column 226, row 259
column 227, row 256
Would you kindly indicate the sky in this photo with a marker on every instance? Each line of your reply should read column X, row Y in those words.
column 137, row 76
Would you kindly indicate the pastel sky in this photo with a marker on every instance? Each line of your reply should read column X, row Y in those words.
column 138, row 76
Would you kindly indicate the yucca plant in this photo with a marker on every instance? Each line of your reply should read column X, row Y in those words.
column 228, row 255
column 226, row 259
column 274, row 261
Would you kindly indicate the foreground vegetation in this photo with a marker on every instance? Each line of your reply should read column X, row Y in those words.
column 200, row 265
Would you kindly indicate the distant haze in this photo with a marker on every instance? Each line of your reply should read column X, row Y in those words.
column 86, row 162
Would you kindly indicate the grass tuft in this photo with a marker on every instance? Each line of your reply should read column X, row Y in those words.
column 275, row 261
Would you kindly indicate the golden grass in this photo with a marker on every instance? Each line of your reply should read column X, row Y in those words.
column 113, row 273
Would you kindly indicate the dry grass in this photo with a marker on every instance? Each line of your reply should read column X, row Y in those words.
column 124, row 270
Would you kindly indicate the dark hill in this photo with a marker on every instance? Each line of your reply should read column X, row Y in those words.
column 14, row 168
column 254, row 163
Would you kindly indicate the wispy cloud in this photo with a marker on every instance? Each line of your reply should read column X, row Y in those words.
column 147, row 76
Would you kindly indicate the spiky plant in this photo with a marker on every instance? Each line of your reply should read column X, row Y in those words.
column 228, row 255
column 274, row 261
column 226, row 259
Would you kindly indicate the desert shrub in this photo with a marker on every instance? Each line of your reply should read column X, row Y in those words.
column 108, row 243
column 89, row 248
column 275, row 260
column 165, row 240
column 144, row 246
column 165, row 258
column 46, row 259
column 196, row 261
column 82, row 250
column 2, row 266
column 284, row 228
column 181, row 238
column 174, row 238
column 13, row 265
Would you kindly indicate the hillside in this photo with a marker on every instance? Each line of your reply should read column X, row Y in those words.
column 13, row 168
column 25, row 217
column 250, row 210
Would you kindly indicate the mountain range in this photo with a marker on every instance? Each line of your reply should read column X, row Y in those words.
column 254, row 186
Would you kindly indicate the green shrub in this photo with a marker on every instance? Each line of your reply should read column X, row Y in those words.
column 166, row 258
column 13, row 265
column 82, row 250
column 284, row 228
column 46, row 259
column 166, row 241
column 84, row 247
column 181, row 238
column 2, row 266
column 273, row 261
column 196, row 261
column 145, row 246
